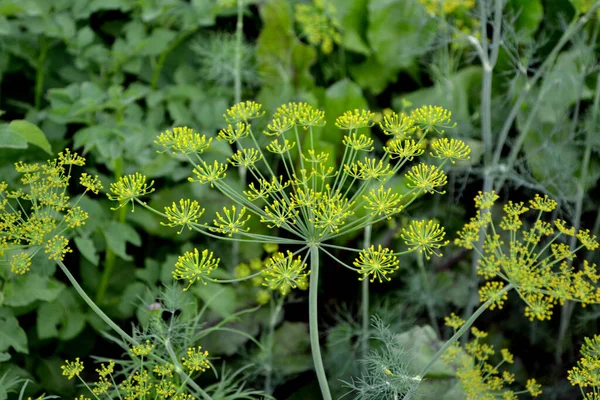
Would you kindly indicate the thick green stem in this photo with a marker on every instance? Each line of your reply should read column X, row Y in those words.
column 111, row 257
column 313, row 319
column 93, row 305
column 365, row 299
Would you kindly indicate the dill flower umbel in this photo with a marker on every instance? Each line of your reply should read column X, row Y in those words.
column 540, row 272
column 196, row 359
column 193, row 266
column 424, row 237
column 319, row 24
column 586, row 374
column 481, row 377
column 376, row 263
column 295, row 187
column 40, row 215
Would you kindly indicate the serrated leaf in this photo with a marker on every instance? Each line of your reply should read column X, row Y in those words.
column 31, row 133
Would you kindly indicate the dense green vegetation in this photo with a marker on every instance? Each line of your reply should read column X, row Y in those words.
column 289, row 199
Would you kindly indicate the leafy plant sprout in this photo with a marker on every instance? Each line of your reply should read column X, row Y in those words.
column 303, row 193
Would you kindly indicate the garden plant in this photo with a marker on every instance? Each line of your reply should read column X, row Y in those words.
column 299, row 199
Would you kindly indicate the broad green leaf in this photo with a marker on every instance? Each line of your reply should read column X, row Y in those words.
column 372, row 76
column 226, row 302
column 117, row 235
column 423, row 343
column 353, row 17
column 26, row 289
column 158, row 41
column 292, row 353
column 86, row 246
column 340, row 97
column 10, row 139
column 150, row 274
column 12, row 335
column 530, row 15
column 63, row 318
column 32, row 134
column 399, row 31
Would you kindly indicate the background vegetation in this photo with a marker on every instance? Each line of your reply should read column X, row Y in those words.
column 105, row 77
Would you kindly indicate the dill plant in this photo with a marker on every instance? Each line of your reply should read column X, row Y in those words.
column 533, row 261
column 488, row 28
column 305, row 198
column 38, row 219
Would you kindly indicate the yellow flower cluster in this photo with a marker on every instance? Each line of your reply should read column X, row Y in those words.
column 40, row 214
column 446, row 6
column 283, row 272
column 300, row 191
column 194, row 266
column 587, row 372
column 480, row 378
column 533, row 261
column 149, row 379
column 319, row 24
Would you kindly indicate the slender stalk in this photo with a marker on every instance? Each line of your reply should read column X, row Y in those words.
column 237, row 83
column 111, row 257
column 365, row 299
column 275, row 311
column 163, row 56
column 237, row 69
column 93, row 305
column 314, row 322
column 39, row 78
column 428, row 294
column 459, row 333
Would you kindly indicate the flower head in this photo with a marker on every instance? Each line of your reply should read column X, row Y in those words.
column 72, row 368
column 207, row 173
column 450, row 149
column 432, row 118
column 427, row 178
column 244, row 111
column 283, row 272
column 424, row 237
column 376, row 263
column 195, row 266
column 356, row 119
column 183, row 140
column 129, row 189
column 185, row 214
column 196, row 359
